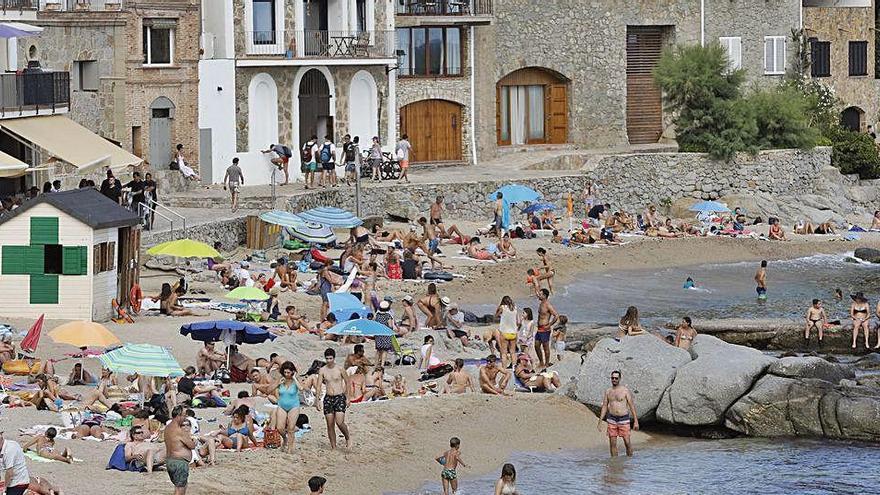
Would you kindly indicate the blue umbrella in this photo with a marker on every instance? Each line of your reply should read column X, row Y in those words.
column 217, row 331
column 331, row 217
column 515, row 193
column 344, row 305
column 298, row 228
column 538, row 207
column 360, row 327
column 709, row 206
column 18, row 30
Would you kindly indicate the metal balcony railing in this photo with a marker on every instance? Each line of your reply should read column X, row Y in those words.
column 78, row 5
column 34, row 91
column 322, row 44
column 19, row 5
column 445, row 7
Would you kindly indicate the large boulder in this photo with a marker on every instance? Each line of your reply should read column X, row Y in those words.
column 868, row 254
column 870, row 362
column 778, row 406
column 706, row 387
column 811, row 367
column 647, row 365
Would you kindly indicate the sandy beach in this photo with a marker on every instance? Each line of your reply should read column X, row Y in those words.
column 395, row 441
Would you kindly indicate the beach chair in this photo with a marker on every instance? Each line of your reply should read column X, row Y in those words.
column 400, row 351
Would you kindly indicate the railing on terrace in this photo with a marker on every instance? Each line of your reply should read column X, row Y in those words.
column 322, row 44
column 19, row 5
column 445, row 7
column 34, row 91
column 79, row 5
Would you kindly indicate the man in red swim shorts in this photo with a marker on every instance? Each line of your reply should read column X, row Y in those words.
column 618, row 410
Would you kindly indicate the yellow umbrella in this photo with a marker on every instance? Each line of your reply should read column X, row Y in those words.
column 84, row 334
column 184, row 248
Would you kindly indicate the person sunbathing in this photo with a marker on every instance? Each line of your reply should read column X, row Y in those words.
column 79, row 376
column 261, row 384
column 875, row 220
column 489, row 373
column 505, row 246
column 101, row 395
column 240, row 432
column 386, row 235
column 459, row 381
column 538, row 382
column 168, row 303
column 476, row 251
column 297, row 322
column 44, row 446
column 398, row 386
column 776, row 233
column 375, row 386
column 412, row 241
column 357, row 382
column 209, row 360
column 7, row 348
column 145, row 455
column 45, row 398
column 90, row 427
column 42, row 486
column 803, row 227
column 356, row 358
column 824, row 228
column 626, row 220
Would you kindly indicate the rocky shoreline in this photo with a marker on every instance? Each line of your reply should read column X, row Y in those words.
column 726, row 389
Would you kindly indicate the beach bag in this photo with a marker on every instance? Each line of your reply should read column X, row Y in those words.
column 272, row 438
column 325, row 153
column 434, row 372
column 222, row 374
column 407, row 360
column 350, row 153
column 307, row 153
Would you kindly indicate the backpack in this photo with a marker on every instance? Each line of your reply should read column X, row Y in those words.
column 350, row 153
column 286, row 151
column 307, row 152
column 325, row 153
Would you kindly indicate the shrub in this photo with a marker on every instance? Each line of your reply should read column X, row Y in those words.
column 781, row 119
column 855, row 153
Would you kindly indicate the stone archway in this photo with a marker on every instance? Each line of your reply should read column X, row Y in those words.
column 532, row 107
column 852, row 118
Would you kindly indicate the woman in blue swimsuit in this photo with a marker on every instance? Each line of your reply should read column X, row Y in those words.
column 240, row 430
column 287, row 412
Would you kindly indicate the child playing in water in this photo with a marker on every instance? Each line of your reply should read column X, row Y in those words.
column 450, row 461
column 817, row 319
column 559, row 336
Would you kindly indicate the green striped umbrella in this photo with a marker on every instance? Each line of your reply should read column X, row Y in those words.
column 144, row 359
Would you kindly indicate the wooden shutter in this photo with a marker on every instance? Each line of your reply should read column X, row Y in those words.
column 13, row 262
column 736, row 52
column 858, row 58
column 75, row 260
column 780, row 54
column 644, row 110
column 44, row 289
column 35, row 260
column 44, row 230
column 557, row 113
column 820, row 58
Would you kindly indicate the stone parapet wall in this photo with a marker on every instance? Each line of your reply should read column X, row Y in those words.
column 230, row 233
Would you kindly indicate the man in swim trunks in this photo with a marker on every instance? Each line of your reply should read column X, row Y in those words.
column 429, row 235
column 179, row 445
column 489, row 376
column 498, row 214
column 761, row 280
column 436, row 215
column 336, row 401
column 817, row 319
column 459, row 381
column 547, row 317
column 618, row 410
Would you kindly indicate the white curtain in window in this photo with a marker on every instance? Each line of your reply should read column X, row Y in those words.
column 453, row 51
column 518, row 100
column 505, row 113
column 536, row 112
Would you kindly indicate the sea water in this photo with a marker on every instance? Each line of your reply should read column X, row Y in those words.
column 679, row 466
column 724, row 290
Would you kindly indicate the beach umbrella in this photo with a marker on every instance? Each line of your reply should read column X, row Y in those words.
column 247, row 294
column 30, row 341
column 184, row 248
column 18, row 30
column 709, row 206
column 313, row 233
column 331, row 217
column 361, row 328
column 515, row 193
column 538, row 207
column 143, row 359
column 228, row 331
column 344, row 305
column 84, row 334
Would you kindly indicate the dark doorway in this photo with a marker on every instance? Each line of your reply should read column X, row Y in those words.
column 314, row 107
column 851, row 118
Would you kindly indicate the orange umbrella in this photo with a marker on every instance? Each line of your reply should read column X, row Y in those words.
column 84, row 334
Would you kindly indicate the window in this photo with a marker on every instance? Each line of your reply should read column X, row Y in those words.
column 158, row 42
column 104, row 257
column 86, row 74
column 733, row 47
column 858, row 58
column 52, row 262
column 434, row 51
column 820, row 58
column 264, row 22
column 361, row 15
column 774, row 55
column 522, row 114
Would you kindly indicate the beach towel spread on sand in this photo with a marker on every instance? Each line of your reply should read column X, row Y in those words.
column 117, row 461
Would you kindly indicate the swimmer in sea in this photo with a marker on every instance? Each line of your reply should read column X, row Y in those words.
column 761, row 280
column 689, row 284
column 817, row 319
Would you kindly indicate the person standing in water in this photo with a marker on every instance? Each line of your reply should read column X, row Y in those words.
column 761, row 280
column 618, row 410
column 817, row 319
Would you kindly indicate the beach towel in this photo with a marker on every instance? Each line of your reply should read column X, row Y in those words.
column 348, row 281
column 117, row 461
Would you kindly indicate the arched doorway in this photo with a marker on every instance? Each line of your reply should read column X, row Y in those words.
column 532, row 107
column 362, row 107
column 434, row 130
column 314, row 106
column 161, row 113
column 262, row 112
column 851, row 118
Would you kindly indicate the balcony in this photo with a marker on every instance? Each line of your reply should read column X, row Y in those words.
column 426, row 12
column 80, row 5
column 34, row 93
column 19, row 5
column 337, row 47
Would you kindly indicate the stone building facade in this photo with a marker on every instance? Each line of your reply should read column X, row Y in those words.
column 835, row 28
column 146, row 106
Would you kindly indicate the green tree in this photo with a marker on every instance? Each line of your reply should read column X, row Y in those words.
column 855, row 153
column 781, row 119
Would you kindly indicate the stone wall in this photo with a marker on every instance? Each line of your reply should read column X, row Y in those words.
column 840, row 26
column 230, row 233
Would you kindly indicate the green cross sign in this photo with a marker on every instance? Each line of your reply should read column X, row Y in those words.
column 44, row 260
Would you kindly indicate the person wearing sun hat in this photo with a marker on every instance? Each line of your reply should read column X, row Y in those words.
column 383, row 342
column 273, row 307
column 860, row 311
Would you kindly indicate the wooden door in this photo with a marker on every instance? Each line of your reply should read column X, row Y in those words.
column 644, row 114
column 557, row 113
column 434, row 130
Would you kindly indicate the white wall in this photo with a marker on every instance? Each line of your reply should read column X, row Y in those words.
column 104, row 284
column 363, row 107
column 262, row 112
column 74, row 291
column 217, row 28
column 217, row 112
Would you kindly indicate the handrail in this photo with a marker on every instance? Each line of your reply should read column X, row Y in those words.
column 169, row 210
column 145, row 206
